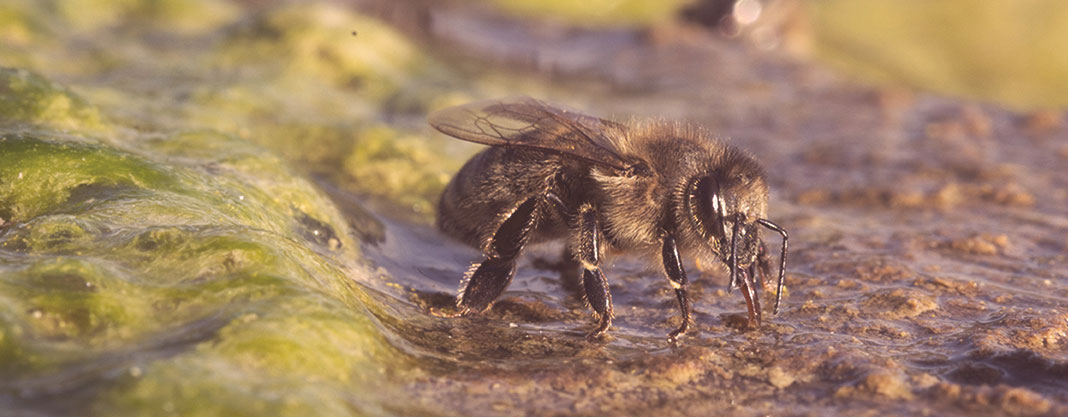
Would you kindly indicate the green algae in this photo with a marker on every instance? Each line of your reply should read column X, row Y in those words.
column 15, row 25
column 333, row 55
column 289, row 106
column 301, row 356
column 38, row 177
column 175, row 15
column 233, row 82
column 325, row 43
column 26, row 97
column 166, row 261
column 197, row 258
column 405, row 168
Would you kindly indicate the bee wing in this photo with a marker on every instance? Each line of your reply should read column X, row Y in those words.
column 523, row 121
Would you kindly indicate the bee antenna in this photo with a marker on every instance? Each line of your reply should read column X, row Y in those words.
column 782, row 258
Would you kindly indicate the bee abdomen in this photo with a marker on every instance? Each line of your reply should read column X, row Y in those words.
column 489, row 187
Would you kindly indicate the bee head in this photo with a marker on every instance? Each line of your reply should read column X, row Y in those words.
column 725, row 208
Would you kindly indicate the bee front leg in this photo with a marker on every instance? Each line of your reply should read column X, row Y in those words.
column 677, row 277
column 587, row 248
column 752, row 297
column 486, row 281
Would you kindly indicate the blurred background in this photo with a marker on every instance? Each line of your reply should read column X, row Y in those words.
column 270, row 71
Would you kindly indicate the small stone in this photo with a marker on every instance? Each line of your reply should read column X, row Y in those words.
column 1021, row 401
column 887, row 384
column 924, row 380
column 779, row 378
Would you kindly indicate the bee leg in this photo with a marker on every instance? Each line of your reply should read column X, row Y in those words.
column 757, row 284
column 486, row 281
column 587, row 249
column 599, row 298
column 677, row 277
column 752, row 298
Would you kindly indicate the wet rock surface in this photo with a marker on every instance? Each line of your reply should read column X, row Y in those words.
column 160, row 258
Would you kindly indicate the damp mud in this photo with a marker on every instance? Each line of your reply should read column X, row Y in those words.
column 234, row 216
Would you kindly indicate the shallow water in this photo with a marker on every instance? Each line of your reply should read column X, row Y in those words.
column 164, row 261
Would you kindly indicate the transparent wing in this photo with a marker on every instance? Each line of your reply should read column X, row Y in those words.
column 523, row 121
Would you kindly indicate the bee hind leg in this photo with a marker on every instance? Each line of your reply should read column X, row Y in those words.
column 599, row 298
column 486, row 281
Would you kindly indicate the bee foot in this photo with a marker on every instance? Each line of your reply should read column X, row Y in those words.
column 595, row 336
column 673, row 337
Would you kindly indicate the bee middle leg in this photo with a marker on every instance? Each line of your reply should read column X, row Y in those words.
column 486, row 281
column 587, row 250
column 677, row 276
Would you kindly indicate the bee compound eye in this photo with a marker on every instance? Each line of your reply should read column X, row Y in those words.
column 711, row 207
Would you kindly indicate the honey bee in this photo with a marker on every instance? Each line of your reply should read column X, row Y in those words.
column 654, row 189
